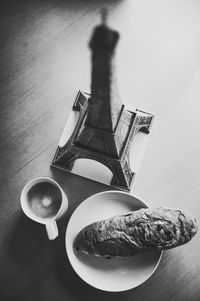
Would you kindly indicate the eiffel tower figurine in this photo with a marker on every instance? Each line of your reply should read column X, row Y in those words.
column 105, row 129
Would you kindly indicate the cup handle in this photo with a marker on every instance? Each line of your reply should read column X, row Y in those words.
column 52, row 229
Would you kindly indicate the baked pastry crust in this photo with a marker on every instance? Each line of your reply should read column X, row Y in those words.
column 142, row 230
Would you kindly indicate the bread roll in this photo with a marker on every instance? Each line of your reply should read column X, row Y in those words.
column 142, row 230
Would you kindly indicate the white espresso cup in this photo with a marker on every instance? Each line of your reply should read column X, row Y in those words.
column 44, row 201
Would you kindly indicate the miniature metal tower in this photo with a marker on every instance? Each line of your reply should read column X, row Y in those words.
column 105, row 129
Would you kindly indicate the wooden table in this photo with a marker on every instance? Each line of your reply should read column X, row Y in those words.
column 44, row 61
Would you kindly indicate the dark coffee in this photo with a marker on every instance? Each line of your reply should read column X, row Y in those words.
column 44, row 199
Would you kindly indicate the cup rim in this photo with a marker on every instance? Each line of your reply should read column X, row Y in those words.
column 28, row 212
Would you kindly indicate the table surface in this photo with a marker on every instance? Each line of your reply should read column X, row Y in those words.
column 44, row 61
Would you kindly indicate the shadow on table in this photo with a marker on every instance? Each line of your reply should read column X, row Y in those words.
column 26, row 246
column 26, row 240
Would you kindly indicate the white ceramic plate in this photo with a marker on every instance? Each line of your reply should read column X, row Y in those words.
column 115, row 274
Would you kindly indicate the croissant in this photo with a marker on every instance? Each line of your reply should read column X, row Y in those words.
column 142, row 230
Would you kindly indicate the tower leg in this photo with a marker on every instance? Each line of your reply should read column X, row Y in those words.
column 122, row 174
column 66, row 161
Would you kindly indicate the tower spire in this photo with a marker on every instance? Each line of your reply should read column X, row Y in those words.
column 105, row 106
column 104, row 15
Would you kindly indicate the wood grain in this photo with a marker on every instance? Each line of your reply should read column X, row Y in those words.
column 44, row 61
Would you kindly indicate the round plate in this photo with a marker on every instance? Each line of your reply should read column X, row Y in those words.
column 115, row 274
